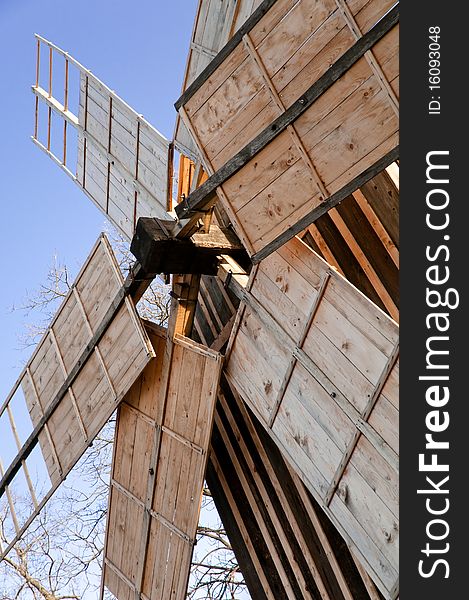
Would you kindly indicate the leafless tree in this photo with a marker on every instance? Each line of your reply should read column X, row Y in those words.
column 59, row 558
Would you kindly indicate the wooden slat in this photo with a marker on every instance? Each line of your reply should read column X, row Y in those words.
column 383, row 196
column 365, row 263
column 375, row 66
column 312, row 550
column 241, row 98
column 379, row 228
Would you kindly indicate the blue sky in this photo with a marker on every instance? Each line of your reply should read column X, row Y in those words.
column 139, row 50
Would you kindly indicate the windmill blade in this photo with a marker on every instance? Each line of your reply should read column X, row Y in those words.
column 317, row 363
column 85, row 363
column 163, row 433
column 264, row 115
column 215, row 23
column 122, row 163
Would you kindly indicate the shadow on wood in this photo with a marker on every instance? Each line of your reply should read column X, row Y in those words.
column 158, row 252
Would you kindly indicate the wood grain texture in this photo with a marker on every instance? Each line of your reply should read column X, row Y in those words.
column 214, row 25
column 283, row 541
column 310, row 376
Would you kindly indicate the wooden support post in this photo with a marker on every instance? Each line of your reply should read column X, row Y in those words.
column 64, row 159
column 38, row 58
column 185, row 293
column 85, row 128
column 50, row 72
column 109, row 162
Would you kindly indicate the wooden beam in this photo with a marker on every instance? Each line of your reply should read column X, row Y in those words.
column 284, row 525
column 158, row 252
column 379, row 228
column 183, row 304
column 205, row 195
column 370, row 58
column 322, row 246
column 223, row 336
column 238, row 533
column 383, row 196
column 367, row 581
column 365, row 264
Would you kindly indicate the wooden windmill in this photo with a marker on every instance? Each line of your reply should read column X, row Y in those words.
column 276, row 378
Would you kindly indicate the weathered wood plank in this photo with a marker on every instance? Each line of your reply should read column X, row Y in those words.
column 163, row 434
column 346, row 360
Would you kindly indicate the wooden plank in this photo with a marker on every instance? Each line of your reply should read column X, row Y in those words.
column 265, row 583
column 276, row 208
column 365, row 263
column 383, row 197
column 379, row 228
column 352, row 152
column 370, row 586
column 333, row 200
column 270, row 477
column 273, row 551
column 376, row 68
column 290, row 82
column 321, row 246
column 307, row 325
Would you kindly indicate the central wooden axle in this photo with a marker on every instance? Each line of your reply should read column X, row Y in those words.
column 159, row 252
